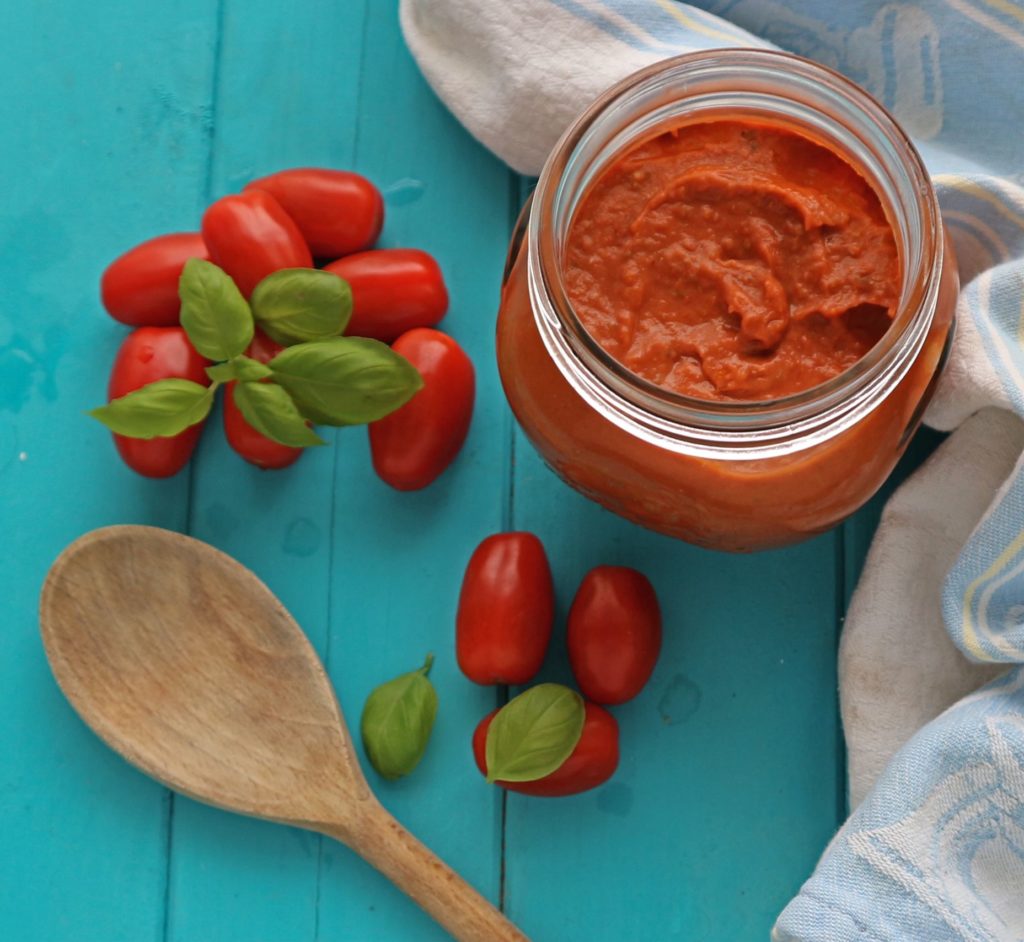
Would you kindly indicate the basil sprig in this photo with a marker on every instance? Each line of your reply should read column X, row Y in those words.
column 534, row 733
column 320, row 377
column 397, row 721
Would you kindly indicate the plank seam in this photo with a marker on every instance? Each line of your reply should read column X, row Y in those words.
column 327, row 665
column 360, row 82
column 516, row 183
column 209, row 130
column 211, row 127
column 353, row 154
column 168, row 845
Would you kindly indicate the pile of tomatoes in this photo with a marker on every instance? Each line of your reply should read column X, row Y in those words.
column 295, row 218
column 503, row 629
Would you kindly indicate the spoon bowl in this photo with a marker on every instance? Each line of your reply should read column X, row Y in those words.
column 185, row 663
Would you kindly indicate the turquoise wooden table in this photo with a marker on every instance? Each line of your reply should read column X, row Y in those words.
column 126, row 123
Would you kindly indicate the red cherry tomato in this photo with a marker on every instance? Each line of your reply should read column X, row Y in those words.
column 250, row 236
column 141, row 287
column 614, row 633
column 149, row 354
column 337, row 212
column 253, row 446
column 414, row 444
column 591, row 763
column 506, row 610
column 393, row 290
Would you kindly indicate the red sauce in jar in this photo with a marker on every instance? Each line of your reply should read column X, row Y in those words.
column 731, row 260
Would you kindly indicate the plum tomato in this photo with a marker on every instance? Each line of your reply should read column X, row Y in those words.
column 414, row 444
column 147, row 355
column 590, row 764
column 393, row 291
column 140, row 287
column 614, row 634
column 337, row 212
column 250, row 236
column 506, row 610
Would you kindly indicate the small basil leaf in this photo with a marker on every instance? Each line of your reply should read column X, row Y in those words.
column 161, row 409
column 299, row 304
column 214, row 314
column 397, row 721
column 270, row 410
column 249, row 370
column 221, row 372
column 347, row 380
column 534, row 733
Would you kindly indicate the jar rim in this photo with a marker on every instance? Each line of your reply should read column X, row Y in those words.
column 819, row 411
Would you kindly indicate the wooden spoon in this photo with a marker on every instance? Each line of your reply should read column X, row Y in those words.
column 186, row 664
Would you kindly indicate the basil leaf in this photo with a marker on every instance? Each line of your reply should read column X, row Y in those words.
column 270, row 410
column 249, row 370
column 221, row 372
column 214, row 314
column 161, row 409
column 397, row 721
column 298, row 304
column 534, row 733
column 347, row 380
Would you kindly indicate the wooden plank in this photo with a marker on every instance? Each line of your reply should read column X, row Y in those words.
column 287, row 96
column 728, row 784
column 400, row 557
column 106, row 127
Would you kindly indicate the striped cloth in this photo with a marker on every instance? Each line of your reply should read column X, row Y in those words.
column 934, row 849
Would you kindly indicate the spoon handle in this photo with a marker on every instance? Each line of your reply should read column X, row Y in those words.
column 419, row 873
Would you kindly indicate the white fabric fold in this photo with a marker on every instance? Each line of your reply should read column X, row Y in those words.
column 893, row 682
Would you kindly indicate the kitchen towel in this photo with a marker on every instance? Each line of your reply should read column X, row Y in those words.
column 934, row 849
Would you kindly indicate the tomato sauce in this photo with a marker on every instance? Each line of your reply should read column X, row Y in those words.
column 731, row 260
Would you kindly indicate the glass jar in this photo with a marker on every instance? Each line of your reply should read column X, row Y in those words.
column 736, row 476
